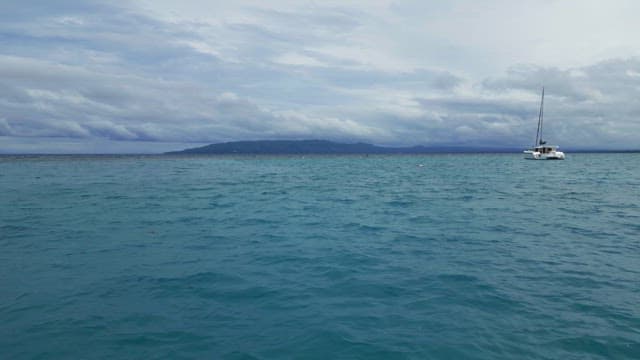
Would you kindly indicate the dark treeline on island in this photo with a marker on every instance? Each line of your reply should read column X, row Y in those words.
column 324, row 147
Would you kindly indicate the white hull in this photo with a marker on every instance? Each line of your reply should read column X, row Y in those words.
column 536, row 155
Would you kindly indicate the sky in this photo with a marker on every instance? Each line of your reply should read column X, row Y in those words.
column 147, row 76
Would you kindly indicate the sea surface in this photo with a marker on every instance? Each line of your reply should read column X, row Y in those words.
column 345, row 257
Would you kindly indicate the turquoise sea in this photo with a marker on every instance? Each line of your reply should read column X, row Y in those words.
column 381, row 257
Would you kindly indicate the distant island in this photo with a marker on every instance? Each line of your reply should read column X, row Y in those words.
column 323, row 147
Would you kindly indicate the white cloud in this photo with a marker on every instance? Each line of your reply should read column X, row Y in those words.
column 296, row 59
column 388, row 72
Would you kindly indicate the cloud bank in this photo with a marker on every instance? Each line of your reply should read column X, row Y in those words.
column 80, row 76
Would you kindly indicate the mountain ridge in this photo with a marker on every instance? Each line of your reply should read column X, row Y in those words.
column 324, row 147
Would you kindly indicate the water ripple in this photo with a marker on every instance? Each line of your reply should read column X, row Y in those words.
column 467, row 256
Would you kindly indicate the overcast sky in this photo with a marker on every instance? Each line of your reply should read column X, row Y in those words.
column 158, row 75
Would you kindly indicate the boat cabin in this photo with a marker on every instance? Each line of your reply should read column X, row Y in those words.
column 545, row 149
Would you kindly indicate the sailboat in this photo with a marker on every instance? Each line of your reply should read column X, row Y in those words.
column 540, row 150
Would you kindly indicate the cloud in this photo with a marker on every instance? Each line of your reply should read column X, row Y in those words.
column 389, row 73
column 5, row 129
column 595, row 105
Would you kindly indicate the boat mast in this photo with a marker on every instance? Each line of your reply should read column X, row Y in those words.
column 540, row 118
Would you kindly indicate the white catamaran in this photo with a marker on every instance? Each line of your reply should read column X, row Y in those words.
column 542, row 151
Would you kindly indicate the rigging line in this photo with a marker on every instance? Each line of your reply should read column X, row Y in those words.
column 539, row 130
column 541, row 115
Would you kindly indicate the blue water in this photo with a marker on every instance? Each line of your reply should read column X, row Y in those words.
column 381, row 257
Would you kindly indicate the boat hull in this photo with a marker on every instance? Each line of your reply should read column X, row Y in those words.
column 535, row 155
